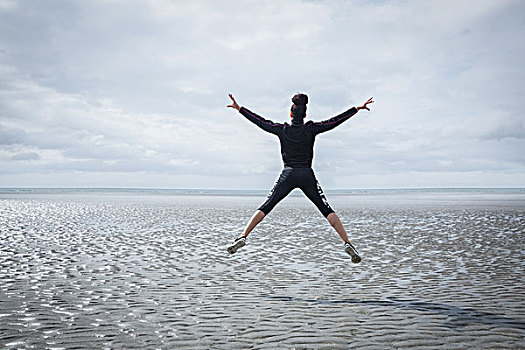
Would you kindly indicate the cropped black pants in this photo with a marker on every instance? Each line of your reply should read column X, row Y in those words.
column 291, row 178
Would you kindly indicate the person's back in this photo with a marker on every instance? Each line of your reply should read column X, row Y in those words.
column 297, row 149
column 297, row 145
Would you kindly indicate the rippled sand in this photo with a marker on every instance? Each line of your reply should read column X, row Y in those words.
column 149, row 272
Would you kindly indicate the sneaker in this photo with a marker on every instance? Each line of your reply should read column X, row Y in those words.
column 350, row 249
column 238, row 243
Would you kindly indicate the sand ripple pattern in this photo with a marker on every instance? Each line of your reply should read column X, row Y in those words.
column 97, row 272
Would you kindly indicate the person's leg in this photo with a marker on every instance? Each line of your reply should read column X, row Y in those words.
column 314, row 192
column 256, row 219
column 281, row 189
column 336, row 223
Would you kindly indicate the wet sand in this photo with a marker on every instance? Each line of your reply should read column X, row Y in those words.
column 152, row 272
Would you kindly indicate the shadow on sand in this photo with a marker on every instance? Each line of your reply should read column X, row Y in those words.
column 456, row 316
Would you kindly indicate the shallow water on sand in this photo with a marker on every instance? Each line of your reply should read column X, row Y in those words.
column 144, row 271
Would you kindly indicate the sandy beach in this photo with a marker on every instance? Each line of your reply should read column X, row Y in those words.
column 151, row 271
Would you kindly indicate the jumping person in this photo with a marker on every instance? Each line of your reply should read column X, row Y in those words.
column 297, row 145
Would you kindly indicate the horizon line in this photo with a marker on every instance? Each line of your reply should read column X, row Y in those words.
column 258, row 189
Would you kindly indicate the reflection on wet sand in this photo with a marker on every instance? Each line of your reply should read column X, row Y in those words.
column 152, row 272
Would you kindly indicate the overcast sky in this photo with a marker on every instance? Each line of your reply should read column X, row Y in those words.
column 134, row 93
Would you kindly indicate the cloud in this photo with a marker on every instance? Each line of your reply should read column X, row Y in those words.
column 26, row 156
column 11, row 135
column 112, row 88
column 6, row 5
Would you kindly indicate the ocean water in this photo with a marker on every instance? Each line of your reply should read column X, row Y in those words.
column 148, row 269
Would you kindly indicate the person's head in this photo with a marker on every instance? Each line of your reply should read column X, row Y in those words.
column 298, row 110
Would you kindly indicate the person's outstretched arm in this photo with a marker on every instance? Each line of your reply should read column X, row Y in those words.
column 266, row 125
column 331, row 123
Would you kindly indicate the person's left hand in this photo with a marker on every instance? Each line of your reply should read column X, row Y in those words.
column 234, row 103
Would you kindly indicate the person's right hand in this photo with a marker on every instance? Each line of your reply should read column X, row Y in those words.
column 366, row 103
column 234, row 103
